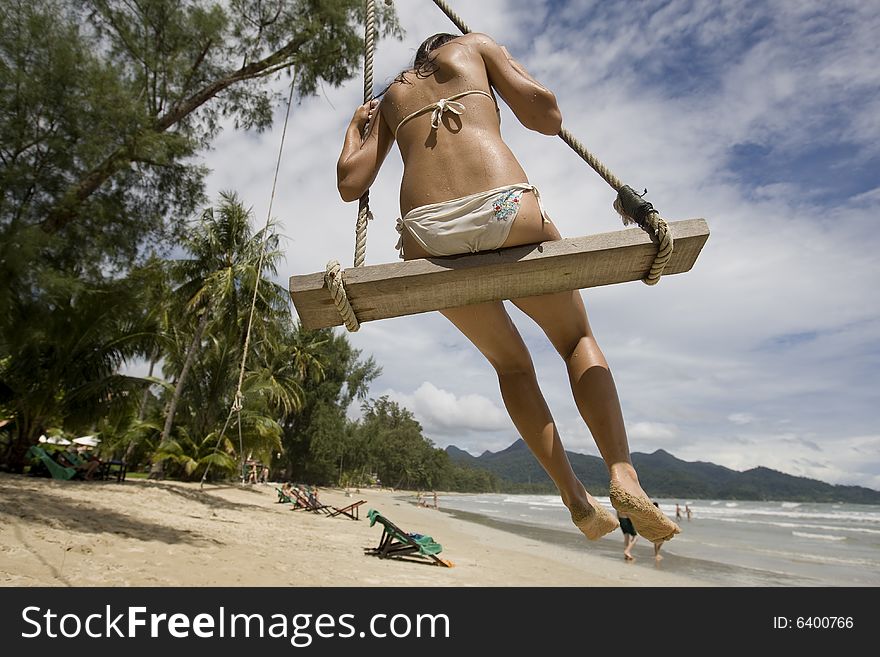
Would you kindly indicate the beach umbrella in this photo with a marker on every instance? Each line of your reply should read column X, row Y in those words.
column 54, row 440
column 90, row 441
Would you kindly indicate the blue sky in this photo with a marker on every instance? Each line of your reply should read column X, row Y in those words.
column 763, row 118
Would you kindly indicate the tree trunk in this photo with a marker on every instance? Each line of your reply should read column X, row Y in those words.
column 158, row 469
column 26, row 435
column 142, row 411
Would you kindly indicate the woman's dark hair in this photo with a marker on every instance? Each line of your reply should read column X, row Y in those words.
column 423, row 65
column 430, row 44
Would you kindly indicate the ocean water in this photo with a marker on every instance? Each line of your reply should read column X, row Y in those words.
column 732, row 543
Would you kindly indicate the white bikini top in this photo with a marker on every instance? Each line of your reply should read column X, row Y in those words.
column 443, row 105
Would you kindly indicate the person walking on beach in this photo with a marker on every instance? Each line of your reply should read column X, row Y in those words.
column 657, row 544
column 677, row 513
column 687, row 511
column 463, row 190
column 630, row 536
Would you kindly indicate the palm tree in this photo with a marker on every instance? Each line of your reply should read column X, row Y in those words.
column 153, row 279
column 215, row 285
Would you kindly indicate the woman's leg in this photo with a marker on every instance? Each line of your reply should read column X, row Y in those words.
column 563, row 318
column 490, row 329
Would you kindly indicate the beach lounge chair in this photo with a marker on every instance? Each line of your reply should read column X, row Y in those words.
column 399, row 544
column 114, row 468
column 86, row 468
column 283, row 498
column 350, row 511
column 55, row 469
column 309, row 503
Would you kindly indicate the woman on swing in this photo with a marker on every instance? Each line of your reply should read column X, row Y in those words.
column 464, row 191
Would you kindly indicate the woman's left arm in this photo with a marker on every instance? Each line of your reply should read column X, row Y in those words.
column 362, row 157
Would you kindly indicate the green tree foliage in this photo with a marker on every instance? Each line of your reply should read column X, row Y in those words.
column 393, row 444
column 388, row 442
column 105, row 107
column 63, row 358
column 216, row 285
column 214, row 293
column 315, row 437
column 104, row 103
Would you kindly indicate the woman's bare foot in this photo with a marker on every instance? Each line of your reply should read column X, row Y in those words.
column 592, row 519
column 628, row 497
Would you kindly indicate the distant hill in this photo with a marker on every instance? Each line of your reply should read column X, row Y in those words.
column 664, row 476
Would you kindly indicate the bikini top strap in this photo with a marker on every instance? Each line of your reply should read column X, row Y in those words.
column 443, row 105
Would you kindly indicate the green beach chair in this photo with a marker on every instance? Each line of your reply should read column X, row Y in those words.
column 396, row 543
column 57, row 470
column 83, row 465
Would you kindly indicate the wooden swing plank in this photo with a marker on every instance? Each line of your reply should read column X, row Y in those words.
column 417, row 286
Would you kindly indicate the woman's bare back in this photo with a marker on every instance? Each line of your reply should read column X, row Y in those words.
column 466, row 154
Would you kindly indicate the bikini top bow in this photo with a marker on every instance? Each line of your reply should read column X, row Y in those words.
column 444, row 105
column 441, row 106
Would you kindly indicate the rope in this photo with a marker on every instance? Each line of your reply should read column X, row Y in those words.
column 364, row 214
column 336, row 286
column 237, row 403
column 632, row 208
column 455, row 18
column 334, row 273
column 641, row 213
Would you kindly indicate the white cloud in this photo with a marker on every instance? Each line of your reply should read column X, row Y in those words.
column 845, row 460
column 741, row 418
column 445, row 413
column 651, row 431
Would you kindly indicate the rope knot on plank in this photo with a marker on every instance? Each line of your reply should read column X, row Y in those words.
column 333, row 278
column 634, row 209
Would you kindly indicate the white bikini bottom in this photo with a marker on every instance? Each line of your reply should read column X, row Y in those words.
column 478, row 222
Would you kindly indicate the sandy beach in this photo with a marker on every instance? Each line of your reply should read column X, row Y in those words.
column 148, row 533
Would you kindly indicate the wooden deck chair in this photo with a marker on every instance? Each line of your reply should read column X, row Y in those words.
column 309, row 504
column 350, row 511
column 398, row 544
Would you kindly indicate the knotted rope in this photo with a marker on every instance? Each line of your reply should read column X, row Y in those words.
column 334, row 274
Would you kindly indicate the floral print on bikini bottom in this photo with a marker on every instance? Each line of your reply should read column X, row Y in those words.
column 507, row 205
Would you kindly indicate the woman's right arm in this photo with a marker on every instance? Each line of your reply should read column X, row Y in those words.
column 532, row 103
column 362, row 156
